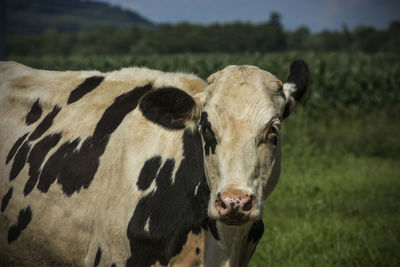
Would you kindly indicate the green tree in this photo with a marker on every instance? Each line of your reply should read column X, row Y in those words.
column 299, row 39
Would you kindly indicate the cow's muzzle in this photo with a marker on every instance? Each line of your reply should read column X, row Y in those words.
column 234, row 207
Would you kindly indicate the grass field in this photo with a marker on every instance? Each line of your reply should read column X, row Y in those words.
column 337, row 202
column 338, row 199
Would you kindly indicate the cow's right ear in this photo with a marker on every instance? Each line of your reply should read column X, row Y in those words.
column 295, row 86
column 169, row 107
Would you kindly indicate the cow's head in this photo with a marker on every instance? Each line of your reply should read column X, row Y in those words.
column 239, row 115
column 240, row 126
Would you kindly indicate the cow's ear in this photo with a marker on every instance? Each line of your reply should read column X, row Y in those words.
column 295, row 86
column 169, row 107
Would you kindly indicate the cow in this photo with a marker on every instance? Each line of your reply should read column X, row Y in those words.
column 138, row 167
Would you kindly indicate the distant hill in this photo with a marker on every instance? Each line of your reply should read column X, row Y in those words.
column 36, row 16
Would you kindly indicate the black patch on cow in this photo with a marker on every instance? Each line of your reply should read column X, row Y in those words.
column 115, row 113
column 282, row 94
column 15, row 147
column 197, row 250
column 113, row 265
column 45, row 124
column 208, row 134
column 286, row 111
column 24, row 218
column 168, row 107
column 58, row 164
column 97, row 258
column 6, row 199
column 19, row 160
column 212, row 225
column 23, row 151
column 173, row 209
column 36, row 158
column 299, row 75
column 148, row 173
column 75, row 168
column 34, row 114
column 256, row 231
column 84, row 88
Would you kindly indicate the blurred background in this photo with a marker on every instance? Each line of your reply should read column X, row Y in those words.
column 338, row 199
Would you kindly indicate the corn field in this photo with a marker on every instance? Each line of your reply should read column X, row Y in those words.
column 338, row 80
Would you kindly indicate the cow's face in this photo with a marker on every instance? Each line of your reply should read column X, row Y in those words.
column 240, row 127
column 239, row 116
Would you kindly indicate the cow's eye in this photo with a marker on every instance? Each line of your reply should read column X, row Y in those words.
column 271, row 134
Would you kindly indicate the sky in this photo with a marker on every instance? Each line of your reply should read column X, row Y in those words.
column 315, row 14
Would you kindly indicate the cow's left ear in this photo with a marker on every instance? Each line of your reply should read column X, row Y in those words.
column 295, row 86
column 169, row 107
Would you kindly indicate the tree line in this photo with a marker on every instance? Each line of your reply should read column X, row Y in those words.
column 235, row 37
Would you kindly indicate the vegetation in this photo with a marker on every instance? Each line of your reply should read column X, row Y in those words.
column 340, row 81
column 236, row 37
column 34, row 17
column 337, row 202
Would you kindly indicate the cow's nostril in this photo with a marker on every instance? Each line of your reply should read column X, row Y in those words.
column 248, row 205
column 234, row 205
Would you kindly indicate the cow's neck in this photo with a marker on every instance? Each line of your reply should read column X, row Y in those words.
column 232, row 248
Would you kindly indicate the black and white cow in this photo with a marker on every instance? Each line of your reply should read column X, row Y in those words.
column 138, row 167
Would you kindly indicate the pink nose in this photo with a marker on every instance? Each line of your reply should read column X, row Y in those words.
column 234, row 205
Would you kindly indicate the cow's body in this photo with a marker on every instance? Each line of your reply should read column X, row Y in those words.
column 89, row 178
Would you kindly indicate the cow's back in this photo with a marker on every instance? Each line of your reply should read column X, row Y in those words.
column 20, row 88
column 58, row 125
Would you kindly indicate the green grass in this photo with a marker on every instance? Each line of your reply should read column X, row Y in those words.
column 336, row 204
